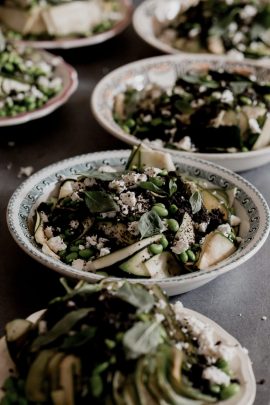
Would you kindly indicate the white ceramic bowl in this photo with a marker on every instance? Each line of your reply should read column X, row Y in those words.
column 69, row 84
column 164, row 70
column 250, row 206
column 240, row 364
column 76, row 42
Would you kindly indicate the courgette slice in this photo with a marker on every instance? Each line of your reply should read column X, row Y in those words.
column 211, row 202
column 124, row 253
column 162, row 265
column 136, row 265
column 146, row 157
column 216, row 247
column 264, row 138
column 66, row 189
column 41, row 239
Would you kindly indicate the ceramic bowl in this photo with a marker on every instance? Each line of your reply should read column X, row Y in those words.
column 164, row 70
column 250, row 207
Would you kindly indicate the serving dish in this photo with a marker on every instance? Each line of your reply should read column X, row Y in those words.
column 194, row 26
column 164, row 71
column 228, row 355
column 69, row 42
column 250, row 206
column 62, row 72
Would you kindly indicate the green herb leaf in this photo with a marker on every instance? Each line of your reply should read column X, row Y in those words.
column 136, row 295
column 148, row 185
column 172, row 187
column 79, row 339
column 183, row 106
column 99, row 201
column 196, row 202
column 104, row 176
column 143, row 338
column 239, row 87
column 150, row 224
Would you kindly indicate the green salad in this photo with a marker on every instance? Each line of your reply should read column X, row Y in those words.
column 27, row 80
column 52, row 19
column 147, row 220
column 206, row 110
column 240, row 28
column 117, row 343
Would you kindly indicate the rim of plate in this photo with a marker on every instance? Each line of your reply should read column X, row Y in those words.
column 106, row 120
column 22, row 199
column 87, row 41
column 70, row 84
column 249, row 381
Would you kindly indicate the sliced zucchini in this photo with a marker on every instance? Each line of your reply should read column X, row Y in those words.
column 146, row 157
column 122, row 254
column 41, row 239
column 185, row 234
column 136, row 265
column 70, row 370
column 216, row 248
column 211, row 202
column 264, row 138
column 162, row 265
column 231, row 193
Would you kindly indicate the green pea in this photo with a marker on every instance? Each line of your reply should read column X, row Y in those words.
column 71, row 256
column 164, row 172
column 74, row 248
column 130, row 123
column 223, row 365
column 173, row 225
column 183, row 257
column 173, row 209
column 160, row 205
column 162, row 212
column 164, row 242
column 245, row 149
column 215, row 388
column 86, row 253
column 245, row 100
column 158, row 181
column 229, row 391
column 191, row 255
column 110, row 343
column 155, row 248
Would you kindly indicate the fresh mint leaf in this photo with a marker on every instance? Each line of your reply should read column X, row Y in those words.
column 143, row 338
column 137, row 296
column 150, row 224
column 99, row 201
column 196, row 202
column 148, row 185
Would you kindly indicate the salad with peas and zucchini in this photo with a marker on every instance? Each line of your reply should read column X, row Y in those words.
column 27, row 80
column 147, row 220
column 117, row 343
column 206, row 110
column 51, row 19
column 240, row 28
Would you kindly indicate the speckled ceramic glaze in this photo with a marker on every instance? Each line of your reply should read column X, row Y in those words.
column 249, row 205
column 70, row 83
column 164, row 71
column 240, row 364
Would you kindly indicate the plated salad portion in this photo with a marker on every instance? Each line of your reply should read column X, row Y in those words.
column 49, row 19
column 118, row 343
column 27, row 80
column 237, row 27
column 147, row 220
column 206, row 110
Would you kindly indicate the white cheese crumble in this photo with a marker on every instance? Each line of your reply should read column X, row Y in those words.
column 129, row 199
column 227, row 97
column 74, row 224
column 104, row 251
column 133, row 228
column 132, row 178
column 152, row 171
column 254, row 126
column 78, row 264
column 56, row 244
column 216, row 376
column 185, row 143
column 225, row 229
column 234, row 220
column 248, row 12
column 118, row 186
column 89, row 182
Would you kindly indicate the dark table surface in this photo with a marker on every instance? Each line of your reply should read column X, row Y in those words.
column 26, row 286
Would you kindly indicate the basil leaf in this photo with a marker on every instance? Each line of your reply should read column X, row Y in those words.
column 172, row 187
column 143, row 338
column 150, row 224
column 183, row 106
column 148, row 185
column 99, row 201
column 137, row 296
column 239, row 87
column 104, row 176
column 196, row 202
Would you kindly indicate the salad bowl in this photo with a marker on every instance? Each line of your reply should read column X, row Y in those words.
column 62, row 72
column 164, row 71
column 240, row 387
column 250, row 206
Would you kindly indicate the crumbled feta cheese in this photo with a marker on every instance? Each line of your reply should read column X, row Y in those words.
column 161, row 304
column 133, row 228
column 129, row 199
column 232, row 27
column 106, row 169
column 185, row 143
column 91, row 240
column 248, row 12
column 152, row 171
column 159, row 317
column 74, row 224
column 235, row 54
column 216, row 376
column 234, row 220
column 132, row 178
column 227, row 97
column 56, row 244
column 254, row 126
column 117, row 185
column 238, row 37
column 89, row 182
column 182, row 345
column 179, row 247
column 78, row 264
column 25, row 171
column 225, row 229
column 202, row 226
column 194, row 32
column 75, row 196
column 104, row 252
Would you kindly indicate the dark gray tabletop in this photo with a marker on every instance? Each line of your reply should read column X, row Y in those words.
column 237, row 300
